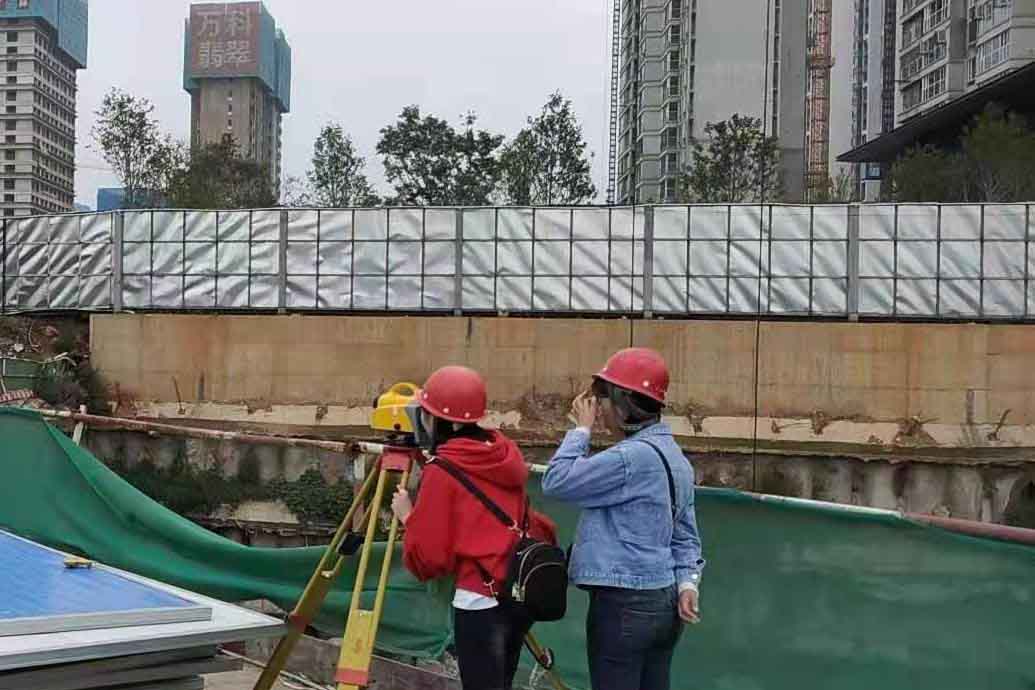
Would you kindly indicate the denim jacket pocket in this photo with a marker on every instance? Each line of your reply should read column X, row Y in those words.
column 642, row 522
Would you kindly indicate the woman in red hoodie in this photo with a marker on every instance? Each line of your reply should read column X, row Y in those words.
column 449, row 533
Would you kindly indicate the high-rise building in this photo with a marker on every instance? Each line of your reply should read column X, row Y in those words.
column 686, row 63
column 44, row 43
column 237, row 69
column 952, row 47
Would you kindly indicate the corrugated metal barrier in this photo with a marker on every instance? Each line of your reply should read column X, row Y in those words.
column 911, row 261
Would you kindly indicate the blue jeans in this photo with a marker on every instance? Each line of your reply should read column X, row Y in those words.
column 631, row 635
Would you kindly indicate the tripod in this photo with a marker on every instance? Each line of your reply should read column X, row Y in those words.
column 357, row 647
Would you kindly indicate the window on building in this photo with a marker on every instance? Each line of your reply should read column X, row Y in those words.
column 10, row 139
column 12, row 95
column 12, row 109
column 12, row 36
column 12, row 66
column 23, row 4
column 673, row 112
column 12, row 80
column 9, row 184
column 11, row 125
column 8, row 198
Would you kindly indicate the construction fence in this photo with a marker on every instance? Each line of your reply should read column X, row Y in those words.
column 892, row 261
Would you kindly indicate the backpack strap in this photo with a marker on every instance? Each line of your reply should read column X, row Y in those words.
column 466, row 482
column 487, row 579
column 668, row 473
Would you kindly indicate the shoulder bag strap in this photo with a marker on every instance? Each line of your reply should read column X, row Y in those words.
column 668, row 473
column 465, row 481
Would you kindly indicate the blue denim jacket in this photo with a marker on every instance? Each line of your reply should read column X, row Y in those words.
column 626, row 536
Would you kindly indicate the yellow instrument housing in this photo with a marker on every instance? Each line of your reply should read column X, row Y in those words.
column 389, row 412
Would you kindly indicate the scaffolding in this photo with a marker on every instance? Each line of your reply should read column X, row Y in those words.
column 820, row 62
column 612, row 142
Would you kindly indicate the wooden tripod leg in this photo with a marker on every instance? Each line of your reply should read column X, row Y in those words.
column 315, row 591
column 540, row 653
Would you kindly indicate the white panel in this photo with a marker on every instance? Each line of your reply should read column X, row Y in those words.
column 589, row 294
column 371, row 224
column 335, row 226
column 961, row 222
column 789, row 295
column 830, row 222
column 369, row 292
column 478, row 293
column 708, row 258
column 707, row 295
column 830, row 259
column 265, row 228
column 201, row 226
column 916, row 297
column 670, row 295
column 551, row 294
column 265, row 258
column 301, row 291
column 370, row 258
column 514, row 293
column 590, row 258
column 439, row 224
column 959, row 298
column 480, row 224
column 670, row 258
column 234, row 226
column 439, row 293
column 790, row 258
column 1004, row 260
column 405, row 224
column 200, row 257
column 917, row 259
column 335, row 292
column 1005, row 222
column 552, row 224
column 232, row 258
column 876, row 222
column 404, row 258
column 440, row 258
column 553, row 258
column 514, row 224
column 591, row 223
column 303, row 225
column 479, row 258
column 917, row 222
column 791, row 223
column 709, row 222
column 1004, row 298
column 404, row 292
column 671, row 222
column 167, row 226
column 515, row 258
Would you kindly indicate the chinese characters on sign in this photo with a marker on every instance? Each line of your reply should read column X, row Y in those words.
column 225, row 38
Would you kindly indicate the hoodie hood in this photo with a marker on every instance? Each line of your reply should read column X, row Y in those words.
column 497, row 461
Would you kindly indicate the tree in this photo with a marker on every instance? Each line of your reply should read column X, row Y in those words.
column 295, row 192
column 842, row 189
column 428, row 162
column 926, row 173
column 336, row 178
column 733, row 163
column 546, row 163
column 216, row 176
column 129, row 140
column 992, row 163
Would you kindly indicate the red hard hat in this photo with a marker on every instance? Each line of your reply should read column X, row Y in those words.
column 455, row 393
column 637, row 369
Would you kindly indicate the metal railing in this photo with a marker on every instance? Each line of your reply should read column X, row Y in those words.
column 915, row 261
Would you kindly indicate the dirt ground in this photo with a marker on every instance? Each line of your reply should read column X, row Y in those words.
column 241, row 680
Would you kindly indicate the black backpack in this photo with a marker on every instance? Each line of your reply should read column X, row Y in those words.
column 537, row 575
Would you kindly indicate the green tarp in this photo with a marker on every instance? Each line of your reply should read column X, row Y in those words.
column 792, row 598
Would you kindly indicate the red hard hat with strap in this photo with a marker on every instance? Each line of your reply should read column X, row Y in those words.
column 638, row 369
column 456, row 394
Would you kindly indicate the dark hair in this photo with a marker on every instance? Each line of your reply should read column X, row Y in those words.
column 443, row 431
column 635, row 410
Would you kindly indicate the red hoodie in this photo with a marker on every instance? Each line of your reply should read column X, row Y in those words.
column 450, row 532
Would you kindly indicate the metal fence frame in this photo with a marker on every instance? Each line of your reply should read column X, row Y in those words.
column 903, row 261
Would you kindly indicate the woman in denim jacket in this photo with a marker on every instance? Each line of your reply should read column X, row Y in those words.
column 637, row 549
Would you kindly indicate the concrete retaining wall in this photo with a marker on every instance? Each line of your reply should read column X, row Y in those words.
column 956, row 373
column 988, row 491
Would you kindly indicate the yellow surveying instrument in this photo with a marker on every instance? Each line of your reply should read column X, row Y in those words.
column 391, row 415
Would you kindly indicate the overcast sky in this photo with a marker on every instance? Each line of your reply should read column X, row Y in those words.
column 360, row 63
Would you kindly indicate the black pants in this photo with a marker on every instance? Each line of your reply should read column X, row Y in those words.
column 488, row 646
column 630, row 635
